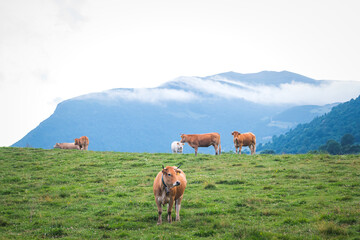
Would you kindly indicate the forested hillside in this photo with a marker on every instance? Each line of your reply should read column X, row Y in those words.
column 342, row 119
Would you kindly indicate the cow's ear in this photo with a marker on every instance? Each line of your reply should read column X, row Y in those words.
column 177, row 171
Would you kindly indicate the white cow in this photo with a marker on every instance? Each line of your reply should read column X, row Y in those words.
column 177, row 147
column 67, row 146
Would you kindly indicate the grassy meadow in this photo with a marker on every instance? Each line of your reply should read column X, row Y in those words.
column 72, row 194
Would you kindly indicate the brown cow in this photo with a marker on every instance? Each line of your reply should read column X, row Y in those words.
column 169, row 186
column 202, row 140
column 66, row 146
column 82, row 142
column 244, row 139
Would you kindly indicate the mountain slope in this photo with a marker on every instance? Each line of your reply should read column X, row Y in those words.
column 148, row 120
column 131, row 126
column 342, row 119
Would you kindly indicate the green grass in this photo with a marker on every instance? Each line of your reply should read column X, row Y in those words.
column 107, row 195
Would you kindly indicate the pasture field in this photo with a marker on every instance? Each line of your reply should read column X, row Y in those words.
column 72, row 194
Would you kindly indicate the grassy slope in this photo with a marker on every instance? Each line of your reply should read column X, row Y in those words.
column 93, row 195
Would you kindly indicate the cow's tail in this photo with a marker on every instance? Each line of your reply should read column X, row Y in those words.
column 219, row 148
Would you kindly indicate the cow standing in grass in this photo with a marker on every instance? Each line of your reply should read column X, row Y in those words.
column 244, row 139
column 177, row 147
column 202, row 140
column 169, row 186
column 82, row 142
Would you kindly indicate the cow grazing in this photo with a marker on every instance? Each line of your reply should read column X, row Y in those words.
column 177, row 147
column 82, row 142
column 202, row 140
column 169, row 186
column 244, row 139
column 66, row 146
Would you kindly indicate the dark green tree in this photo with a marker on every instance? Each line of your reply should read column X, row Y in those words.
column 347, row 139
column 333, row 147
column 267, row 151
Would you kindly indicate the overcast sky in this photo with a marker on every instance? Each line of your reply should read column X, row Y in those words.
column 52, row 50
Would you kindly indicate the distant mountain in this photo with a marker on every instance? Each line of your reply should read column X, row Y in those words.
column 341, row 120
column 148, row 120
column 267, row 78
column 291, row 117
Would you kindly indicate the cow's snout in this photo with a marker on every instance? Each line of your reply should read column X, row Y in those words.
column 177, row 183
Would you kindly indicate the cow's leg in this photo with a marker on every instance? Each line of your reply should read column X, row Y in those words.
column 171, row 202
column 159, row 206
column 177, row 208
column 254, row 149
column 196, row 149
column 240, row 149
column 216, row 149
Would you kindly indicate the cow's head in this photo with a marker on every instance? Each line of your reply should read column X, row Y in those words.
column 235, row 133
column 57, row 145
column 180, row 145
column 77, row 141
column 183, row 138
column 169, row 178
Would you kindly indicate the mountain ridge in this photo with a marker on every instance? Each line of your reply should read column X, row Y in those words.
column 271, row 77
column 149, row 119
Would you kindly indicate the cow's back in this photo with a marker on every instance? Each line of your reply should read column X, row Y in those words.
column 68, row 146
column 206, row 139
column 247, row 138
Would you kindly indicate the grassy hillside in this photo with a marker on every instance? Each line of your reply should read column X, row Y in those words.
column 94, row 195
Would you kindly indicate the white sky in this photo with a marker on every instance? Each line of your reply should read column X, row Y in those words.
column 52, row 50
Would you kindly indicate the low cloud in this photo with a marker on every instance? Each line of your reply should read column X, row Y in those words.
column 148, row 95
column 154, row 95
column 290, row 93
column 194, row 88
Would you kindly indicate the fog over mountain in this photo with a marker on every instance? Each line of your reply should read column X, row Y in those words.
column 149, row 119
